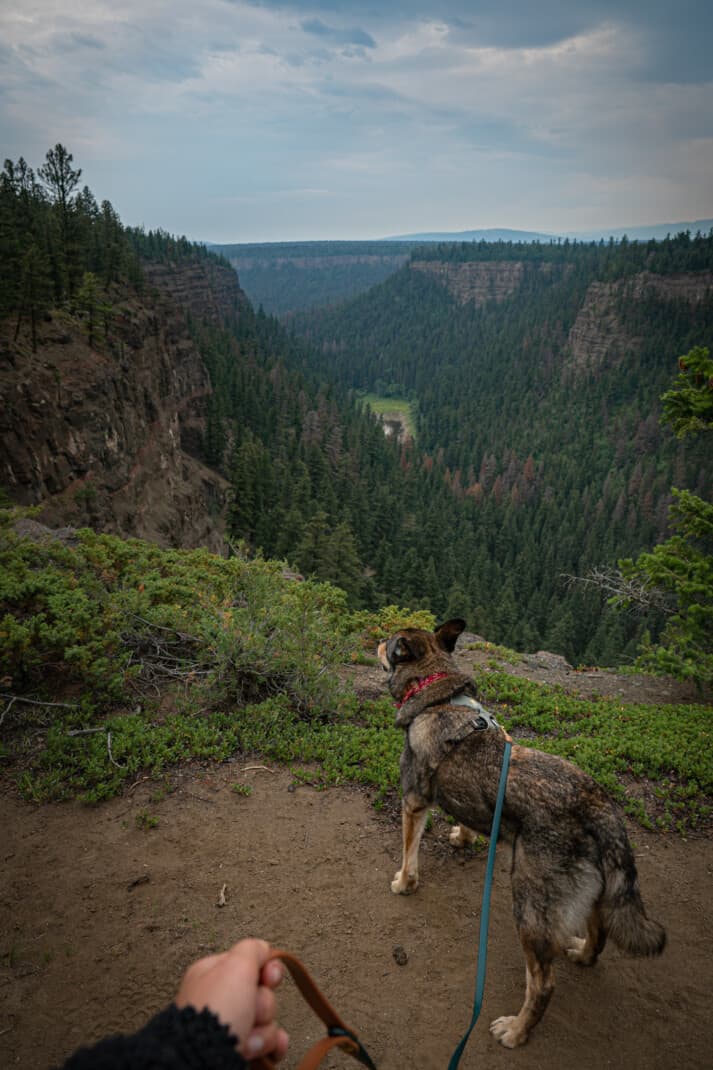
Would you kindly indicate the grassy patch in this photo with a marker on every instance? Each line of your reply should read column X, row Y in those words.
column 380, row 405
column 364, row 751
column 657, row 760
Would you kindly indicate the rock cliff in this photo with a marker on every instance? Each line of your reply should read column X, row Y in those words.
column 109, row 436
column 599, row 336
column 206, row 288
column 475, row 281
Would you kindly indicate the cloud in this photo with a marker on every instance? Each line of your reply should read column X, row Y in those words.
column 352, row 36
column 482, row 111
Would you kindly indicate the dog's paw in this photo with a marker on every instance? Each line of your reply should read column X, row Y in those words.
column 508, row 1031
column 461, row 836
column 575, row 951
column 404, row 883
column 578, row 951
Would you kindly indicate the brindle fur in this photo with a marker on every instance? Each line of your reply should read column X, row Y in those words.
column 574, row 880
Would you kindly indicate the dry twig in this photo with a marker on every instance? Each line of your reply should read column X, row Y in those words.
column 111, row 756
column 623, row 590
column 30, row 702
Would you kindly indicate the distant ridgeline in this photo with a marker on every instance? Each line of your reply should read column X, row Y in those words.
column 291, row 277
column 286, row 277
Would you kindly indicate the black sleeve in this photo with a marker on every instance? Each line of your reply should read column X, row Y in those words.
column 184, row 1039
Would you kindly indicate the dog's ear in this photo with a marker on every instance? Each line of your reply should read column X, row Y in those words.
column 447, row 634
column 401, row 649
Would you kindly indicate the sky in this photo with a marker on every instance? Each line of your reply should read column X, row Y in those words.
column 289, row 120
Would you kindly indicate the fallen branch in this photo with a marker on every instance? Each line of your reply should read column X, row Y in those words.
column 111, row 756
column 37, row 702
column 137, row 782
column 7, row 710
column 163, row 628
column 29, row 702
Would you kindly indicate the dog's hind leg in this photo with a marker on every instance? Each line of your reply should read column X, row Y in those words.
column 514, row 1030
column 462, row 836
column 586, row 951
column 414, row 812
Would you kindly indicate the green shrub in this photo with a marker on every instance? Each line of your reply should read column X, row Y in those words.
column 374, row 627
column 111, row 617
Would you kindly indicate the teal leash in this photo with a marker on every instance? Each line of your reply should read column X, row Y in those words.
column 485, row 910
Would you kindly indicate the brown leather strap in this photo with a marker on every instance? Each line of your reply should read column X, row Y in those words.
column 323, row 1009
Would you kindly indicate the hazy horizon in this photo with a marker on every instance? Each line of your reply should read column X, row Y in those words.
column 287, row 120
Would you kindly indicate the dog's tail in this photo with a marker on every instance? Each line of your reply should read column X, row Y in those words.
column 622, row 908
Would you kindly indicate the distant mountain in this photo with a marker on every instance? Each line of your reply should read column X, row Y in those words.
column 657, row 230
column 496, row 234
column 644, row 233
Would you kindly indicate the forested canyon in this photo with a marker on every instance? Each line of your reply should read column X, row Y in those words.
column 142, row 394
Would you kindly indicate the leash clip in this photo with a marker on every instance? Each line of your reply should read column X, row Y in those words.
column 337, row 1033
column 361, row 1053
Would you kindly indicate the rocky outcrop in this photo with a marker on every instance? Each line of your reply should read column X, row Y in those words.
column 105, row 436
column 207, row 288
column 599, row 337
column 477, row 281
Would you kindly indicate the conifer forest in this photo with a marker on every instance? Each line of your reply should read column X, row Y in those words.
column 538, row 451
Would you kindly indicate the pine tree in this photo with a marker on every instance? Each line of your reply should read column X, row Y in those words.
column 61, row 181
column 35, row 291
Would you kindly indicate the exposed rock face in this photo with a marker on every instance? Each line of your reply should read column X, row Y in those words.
column 476, row 281
column 599, row 337
column 337, row 260
column 206, row 288
column 103, row 438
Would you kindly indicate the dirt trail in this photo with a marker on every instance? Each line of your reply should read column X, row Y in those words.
column 99, row 917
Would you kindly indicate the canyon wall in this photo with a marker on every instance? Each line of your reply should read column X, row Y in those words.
column 109, row 435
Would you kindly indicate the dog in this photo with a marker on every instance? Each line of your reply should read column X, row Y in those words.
column 574, row 880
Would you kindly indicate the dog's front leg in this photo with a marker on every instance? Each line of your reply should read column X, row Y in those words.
column 414, row 813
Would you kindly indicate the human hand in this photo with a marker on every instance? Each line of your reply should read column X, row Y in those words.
column 237, row 987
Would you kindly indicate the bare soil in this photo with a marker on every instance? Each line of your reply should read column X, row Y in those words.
column 99, row 915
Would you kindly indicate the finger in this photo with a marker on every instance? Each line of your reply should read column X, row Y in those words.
column 256, row 951
column 265, row 1007
column 281, row 1045
column 265, row 1040
column 272, row 973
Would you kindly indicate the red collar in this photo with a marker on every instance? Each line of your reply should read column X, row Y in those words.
column 420, row 686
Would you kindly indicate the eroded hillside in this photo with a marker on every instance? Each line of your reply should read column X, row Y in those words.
column 110, row 434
